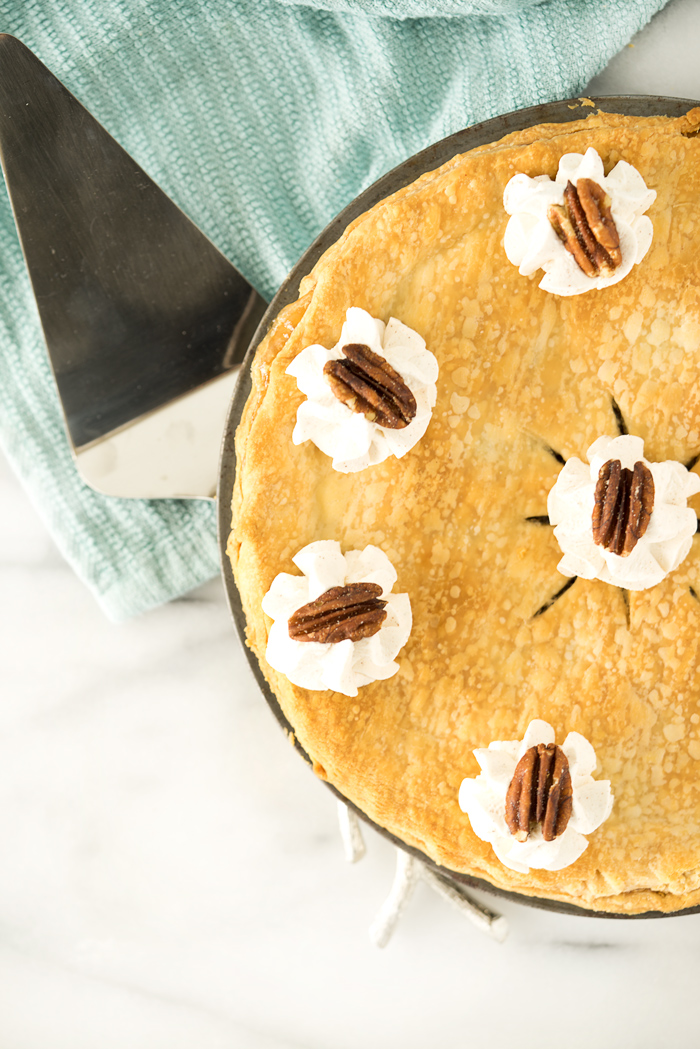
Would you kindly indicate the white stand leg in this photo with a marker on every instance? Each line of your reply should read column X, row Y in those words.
column 350, row 833
column 405, row 881
column 409, row 872
column 494, row 925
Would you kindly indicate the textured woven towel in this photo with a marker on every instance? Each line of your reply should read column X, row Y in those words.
column 262, row 119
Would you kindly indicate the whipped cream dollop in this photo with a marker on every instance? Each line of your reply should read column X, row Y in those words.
column 484, row 801
column 352, row 441
column 531, row 243
column 668, row 537
column 345, row 665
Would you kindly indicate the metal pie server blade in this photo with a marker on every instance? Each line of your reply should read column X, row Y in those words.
column 145, row 320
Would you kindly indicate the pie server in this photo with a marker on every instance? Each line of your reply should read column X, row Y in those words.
column 145, row 321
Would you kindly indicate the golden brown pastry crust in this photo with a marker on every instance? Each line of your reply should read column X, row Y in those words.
column 521, row 372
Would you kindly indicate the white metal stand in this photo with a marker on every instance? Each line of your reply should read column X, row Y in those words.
column 409, row 871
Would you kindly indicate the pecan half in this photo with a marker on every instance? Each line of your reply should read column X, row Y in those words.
column 540, row 792
column 624, row 500
column 343, row 612
column 585, row 225
column 366, row 383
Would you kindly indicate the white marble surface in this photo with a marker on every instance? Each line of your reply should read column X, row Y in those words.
column 171, row 876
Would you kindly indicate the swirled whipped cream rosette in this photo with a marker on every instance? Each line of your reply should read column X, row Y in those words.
column 338, row 625
column 585, row 229
column 623, row 531
column 534, row 801
column 370, row 396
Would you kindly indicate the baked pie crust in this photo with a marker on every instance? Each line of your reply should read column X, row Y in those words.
column 523, row 374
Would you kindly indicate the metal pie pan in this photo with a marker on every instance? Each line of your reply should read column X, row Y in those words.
column 427, row 160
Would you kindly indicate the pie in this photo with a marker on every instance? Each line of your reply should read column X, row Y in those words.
column 527, row 380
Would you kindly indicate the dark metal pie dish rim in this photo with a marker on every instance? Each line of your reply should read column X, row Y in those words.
column 567, row 110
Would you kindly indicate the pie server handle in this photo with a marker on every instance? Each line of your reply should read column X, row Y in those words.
column 145, row 320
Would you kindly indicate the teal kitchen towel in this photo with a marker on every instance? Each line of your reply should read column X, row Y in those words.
column 261, row 119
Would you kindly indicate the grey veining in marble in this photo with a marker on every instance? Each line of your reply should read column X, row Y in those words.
column 171, row 874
